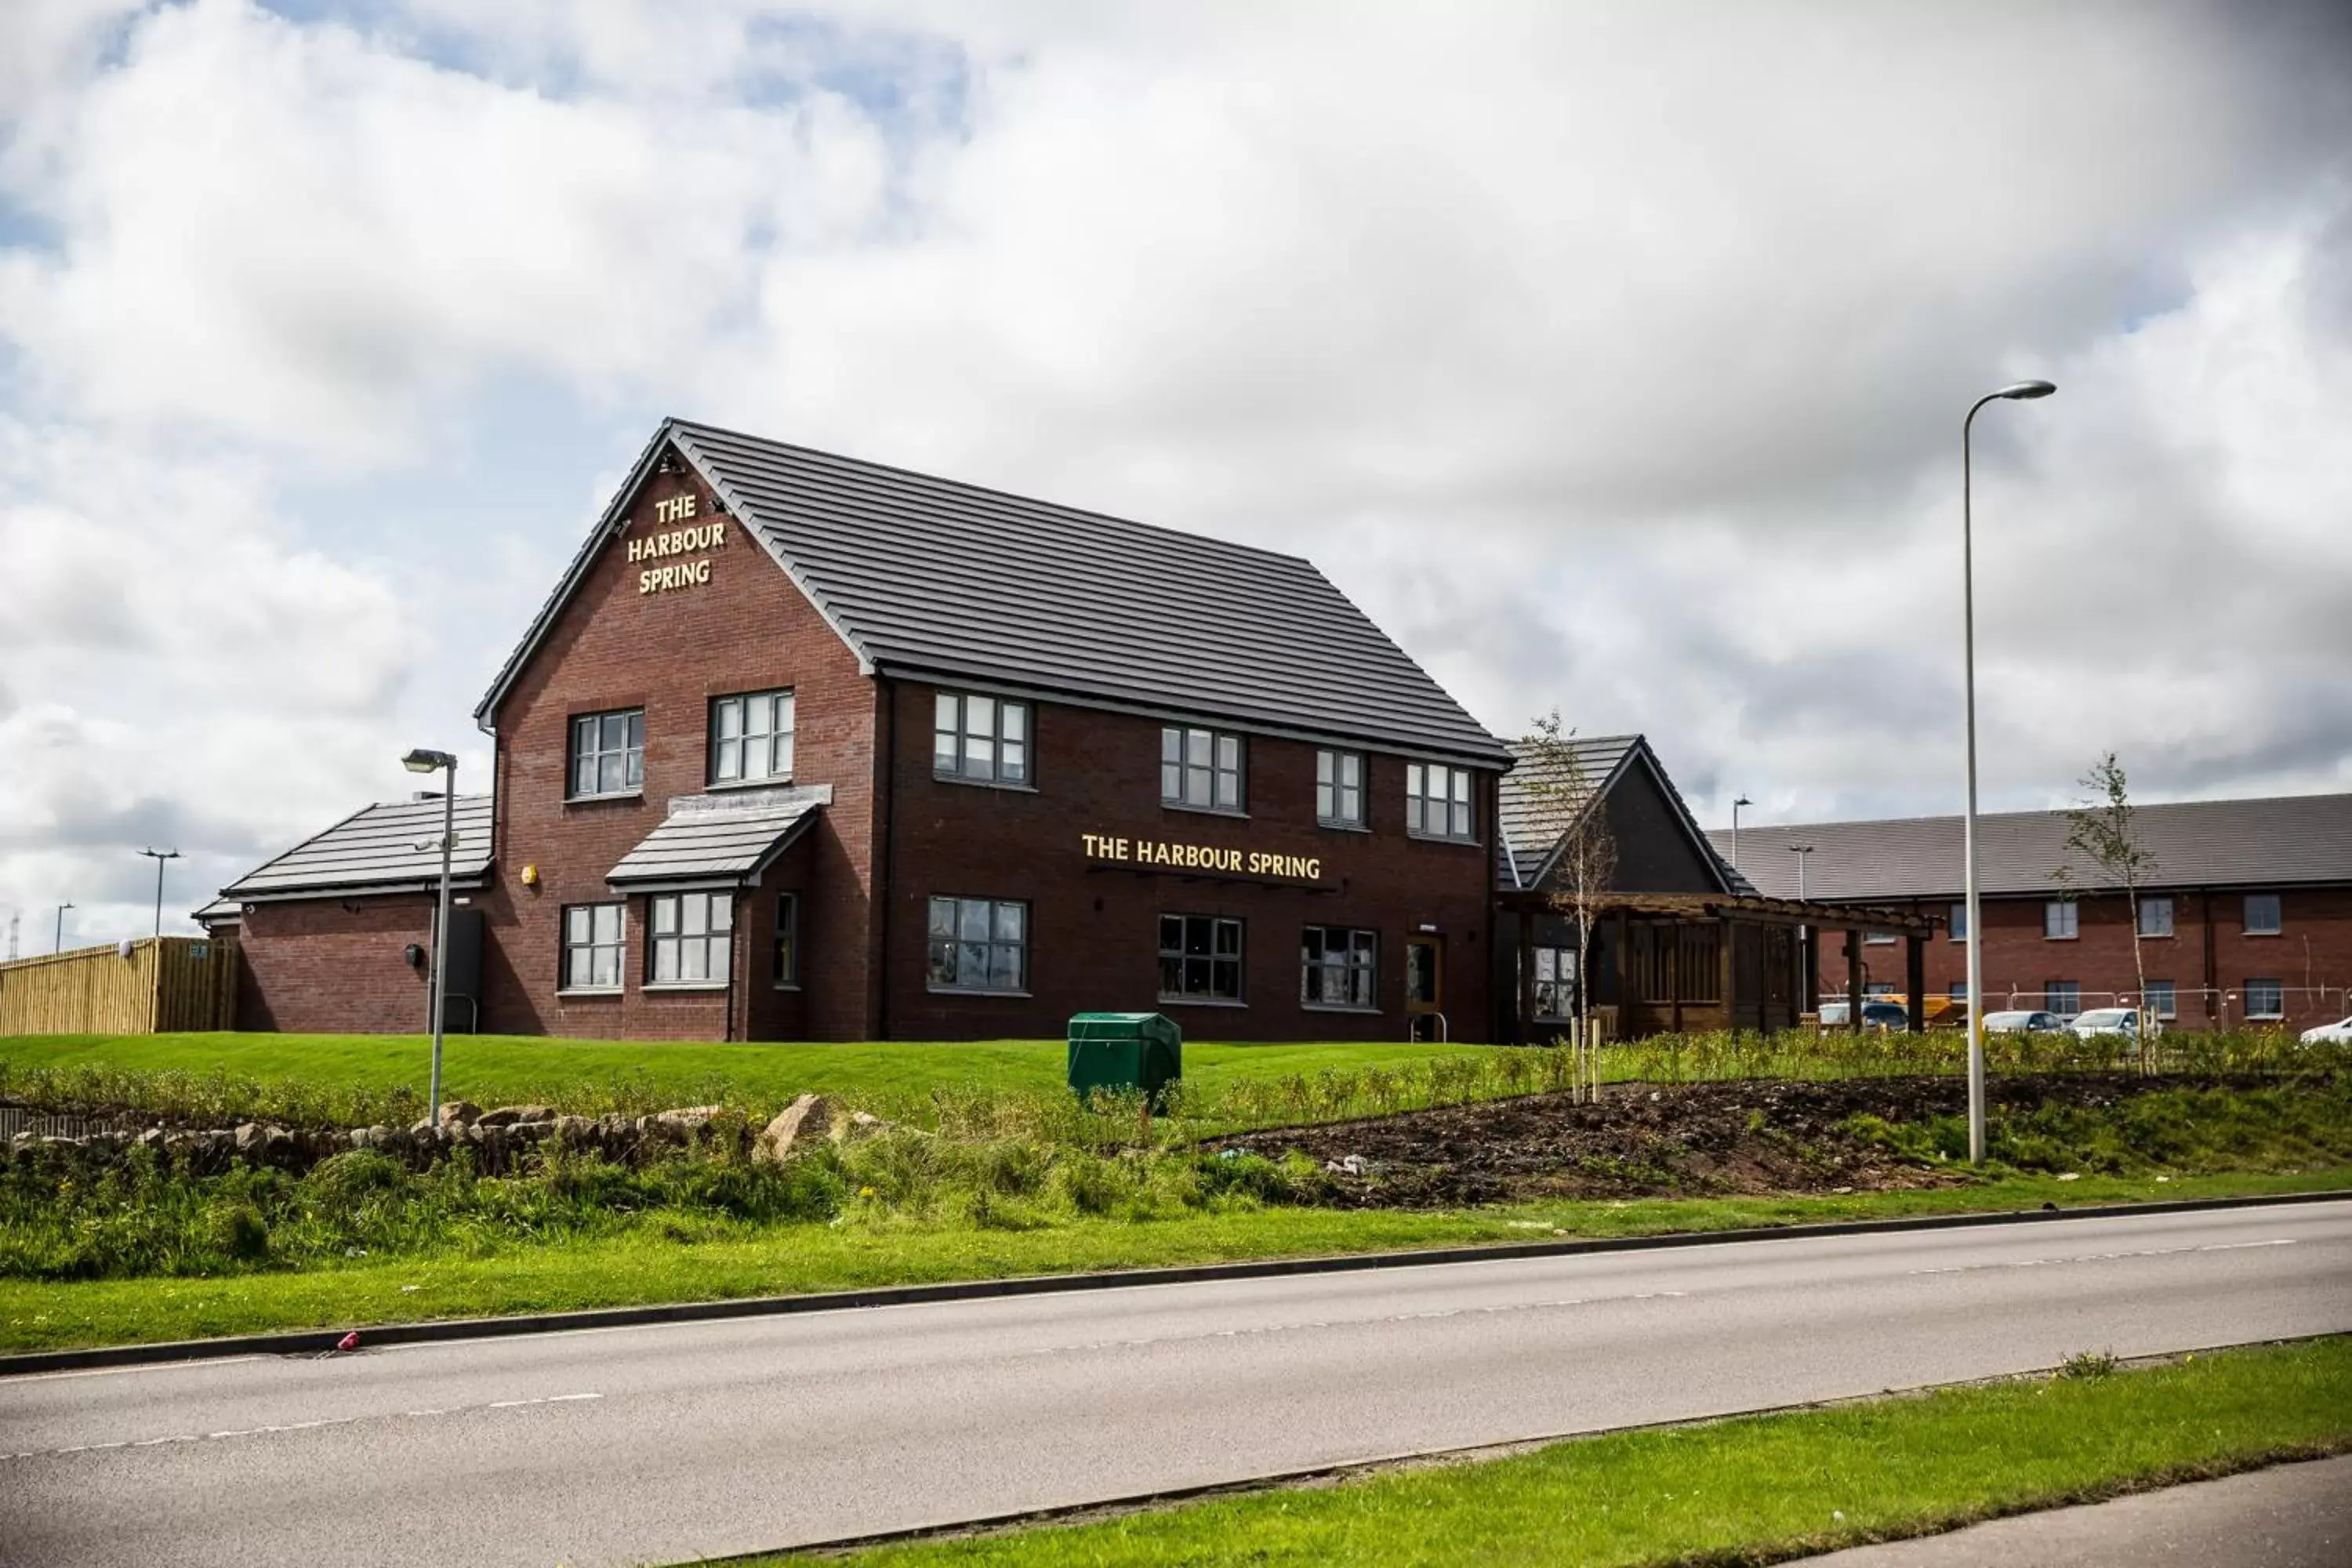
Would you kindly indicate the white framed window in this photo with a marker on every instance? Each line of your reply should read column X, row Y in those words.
column 752, row 738
column 1200, row 958
column 2060, row 922
column 2163, row 999
column 608, row 753
column 1555, row 976
column 979, row 739
column 1340, row 788
column 979, row 944
column 691, row 936
column 2155, row 916
column 1878, row 939
column 592, row 947
column 1200, row 768
column 2262, row 914
column 786, row 969
column 2063, row 998
column 2265, row 999
column 1959, row 993
column 1958, row 924
column 1339, row 967
column 1437, row 801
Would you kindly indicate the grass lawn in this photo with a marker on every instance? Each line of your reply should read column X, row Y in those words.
column 496, row 1070
column 650, row 1264
column 1751, row 1490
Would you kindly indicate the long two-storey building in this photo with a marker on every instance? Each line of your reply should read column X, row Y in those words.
column 804, row 747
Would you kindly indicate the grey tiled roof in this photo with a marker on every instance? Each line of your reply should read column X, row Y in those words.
column 2280, row 840
column 377, row 848
column 1532, row 819
column 719, row 838
column 925, row 576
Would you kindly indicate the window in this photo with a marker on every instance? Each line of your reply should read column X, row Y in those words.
column 1960, row 922
column 2262, row 914
column 692, row 933
column 1200, row 768
column 2155, row 917
column 979, row 945
column 1877, row 938
column 1437, row 801
column 1959, row 994
column 752, row 738
column 982, row 739
column 592, row 947
column 608, row 753
column 1337, row 967
column 2265, row 999
column 788, row 940
column 1340, row 789
column 2060, row 919
column 2163, row 998
column 1555, row 982
column 1199, row 959
column 2063, row 998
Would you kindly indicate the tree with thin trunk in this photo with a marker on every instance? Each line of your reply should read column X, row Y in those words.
column 2100, row 830
column 1566, row 803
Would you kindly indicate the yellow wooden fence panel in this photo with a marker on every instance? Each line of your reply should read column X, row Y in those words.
column 172, row 983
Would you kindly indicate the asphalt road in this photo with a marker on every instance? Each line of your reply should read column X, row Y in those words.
column 663, row 1443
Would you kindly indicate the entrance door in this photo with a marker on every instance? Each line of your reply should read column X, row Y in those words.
column 1424, row 987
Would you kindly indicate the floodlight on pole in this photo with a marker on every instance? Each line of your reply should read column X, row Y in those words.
column 159, row 856
column 2016, row 390
column 1736, row 805
column 425, row 761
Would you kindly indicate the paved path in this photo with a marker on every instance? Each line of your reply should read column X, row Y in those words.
column 663, row 1443
column 2296, row 1516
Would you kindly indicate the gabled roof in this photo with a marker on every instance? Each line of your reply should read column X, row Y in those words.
column 377, row 849
column 724, row 838
column 927, row 577
column 2279, row 840
column 1534, row 818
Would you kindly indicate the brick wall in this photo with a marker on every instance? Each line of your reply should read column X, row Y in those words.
column 747, row 628
column 1095, row 926
column 2209, row 958
column 319, row 967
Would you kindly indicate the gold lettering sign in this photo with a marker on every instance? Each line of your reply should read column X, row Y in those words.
column 1214, row 858
column 701, row 537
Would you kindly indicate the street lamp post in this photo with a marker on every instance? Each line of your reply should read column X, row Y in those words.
column 159, row 856
column 1736, row 805
column 422, row 760
column 1801, row 851
column 2021, row 389
column 58, row 945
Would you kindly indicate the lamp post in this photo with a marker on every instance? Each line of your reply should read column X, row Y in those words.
column 2022, row 389
column 1801, row 851
column 1736, row 805
column 58, row 945
column 422, row 760
column 159, row 856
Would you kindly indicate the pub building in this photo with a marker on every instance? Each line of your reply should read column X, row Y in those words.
column 803, row 747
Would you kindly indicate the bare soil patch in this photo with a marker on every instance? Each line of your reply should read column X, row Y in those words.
column 1653, row 1140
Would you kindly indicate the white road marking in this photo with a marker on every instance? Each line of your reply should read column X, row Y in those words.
column 1315, row 1324
column 2105, row 1257
column 293, row 1426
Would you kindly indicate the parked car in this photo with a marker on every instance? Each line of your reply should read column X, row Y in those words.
column 2021, row 1021
column 2339, row 1033
column 1874, row 1016
column 2107, row 1021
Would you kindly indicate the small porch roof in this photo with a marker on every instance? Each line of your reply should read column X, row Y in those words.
column 720, row 839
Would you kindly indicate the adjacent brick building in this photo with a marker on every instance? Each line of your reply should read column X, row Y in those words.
column 801, row 747
column 2247, row 916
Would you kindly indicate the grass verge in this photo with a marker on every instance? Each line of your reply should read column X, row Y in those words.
column 652, row 1262
column 1756, row 1489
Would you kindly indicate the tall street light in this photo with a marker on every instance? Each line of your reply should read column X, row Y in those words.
column 1736, row 805
column 2022, row 389
column 1801, row 851
column 422, row 760
column 59, row 944
column 159, row 856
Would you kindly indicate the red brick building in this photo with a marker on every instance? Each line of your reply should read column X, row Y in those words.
column 803, row 747
column 2246, row 918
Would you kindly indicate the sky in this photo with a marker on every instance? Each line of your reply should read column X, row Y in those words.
column 1612, row 357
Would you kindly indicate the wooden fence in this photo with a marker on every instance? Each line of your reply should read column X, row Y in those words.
column 164, row 984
